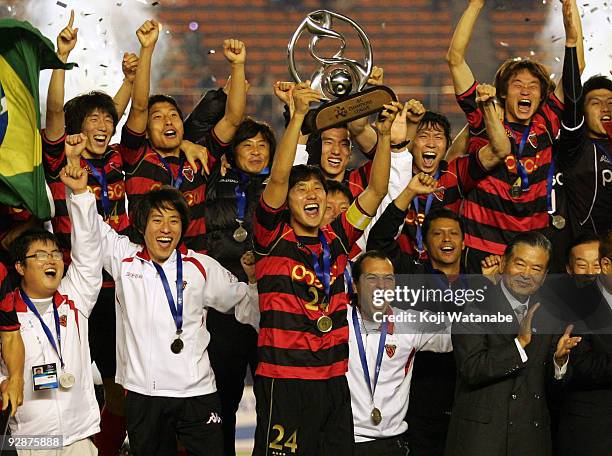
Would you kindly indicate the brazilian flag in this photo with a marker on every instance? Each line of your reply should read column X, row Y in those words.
column 24, row 51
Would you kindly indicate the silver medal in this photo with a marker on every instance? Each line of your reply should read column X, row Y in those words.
column 66, row 380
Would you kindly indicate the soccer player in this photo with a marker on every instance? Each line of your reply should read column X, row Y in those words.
column 303, row 401
column 514, row 198
column 163, row 293
column 94, row 114
column 381, row 360
column 53, row 310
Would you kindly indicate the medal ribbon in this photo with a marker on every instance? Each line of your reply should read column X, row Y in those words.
column 519, row 166
column 324, row 275
column 241, row 197
column 45, row 328
column 176, row 183
column 419, row 228
column 362, row 353
column 100, row 176
column 176, row 311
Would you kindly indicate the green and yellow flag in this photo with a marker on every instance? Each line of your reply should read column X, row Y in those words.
column 24, row 51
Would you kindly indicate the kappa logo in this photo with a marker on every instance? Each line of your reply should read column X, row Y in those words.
column 390, row 349
column 63, row 320
column 188, row 173
column 133, row 275
column 214, row 418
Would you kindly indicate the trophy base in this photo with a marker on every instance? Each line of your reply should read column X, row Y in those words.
column 347, row 109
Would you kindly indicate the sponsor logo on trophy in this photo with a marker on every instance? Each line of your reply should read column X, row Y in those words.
column 340, row 80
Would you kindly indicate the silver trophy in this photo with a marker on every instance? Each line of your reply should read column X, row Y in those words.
column 340, row 80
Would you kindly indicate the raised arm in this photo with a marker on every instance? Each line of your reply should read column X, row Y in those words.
column 137, row 118
column 84, row 275
column 498, row 148
column 361, row 130
column 55, row 122
column 129, row 64
column 573, row 39
column 235, row 53
column 275, row 193
column 455, row 57
column 371, row 197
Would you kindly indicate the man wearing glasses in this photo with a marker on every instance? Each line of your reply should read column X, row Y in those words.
column 53, row 311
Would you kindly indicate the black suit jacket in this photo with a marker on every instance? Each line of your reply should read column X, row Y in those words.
column 500, row 405
column 585, row 426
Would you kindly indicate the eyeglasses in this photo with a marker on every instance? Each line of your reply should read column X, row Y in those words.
column 44, row 256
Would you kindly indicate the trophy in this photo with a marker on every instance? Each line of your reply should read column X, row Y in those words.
column 339, row 80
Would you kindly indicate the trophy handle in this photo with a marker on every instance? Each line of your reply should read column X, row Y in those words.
column 318, row 23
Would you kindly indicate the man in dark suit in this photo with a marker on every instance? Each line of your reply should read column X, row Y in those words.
column 500, row 404
column 585, row 427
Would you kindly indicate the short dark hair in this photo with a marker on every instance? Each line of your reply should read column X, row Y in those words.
column 532, row 239
column 441, row 213
column 314, row 145
column 249, row 128
column 166, row 197
column 20, row 246
column 513, row 66
column 301, row 173
column 605, row 246
column 584, row 238
column 76, row 109
column 162, row 98
column 435, row 119
column 338, row 187
column 595, row 83
column 358, row 264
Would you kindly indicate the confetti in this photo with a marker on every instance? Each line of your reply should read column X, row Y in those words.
column 103, row 66
column 100, row 20
column 63, row 5
column 527, row 19
column 504, row 44
column 119, row 3
column 211, row 51
column 167, row 32
column 193, row 26
column 594, row 9
column 531, row 53
column 557, row 39
column 154, row 3
column 543, row 2
column 557, row 59
column 590, row 49
column 383, row 25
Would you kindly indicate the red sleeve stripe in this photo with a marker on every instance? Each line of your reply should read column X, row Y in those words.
column 197, row 264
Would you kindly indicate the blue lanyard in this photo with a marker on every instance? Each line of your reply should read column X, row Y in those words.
column 100, row 176
column 176, row 183
column 324, row 275
column 176, row 311
column 348, row 279
column 519, row 166
column 45, row 328
column 419, row 228
column 362, row 353
column 603, row 150
column 241, row 196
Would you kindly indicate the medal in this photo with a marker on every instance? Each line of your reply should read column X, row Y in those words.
column 66, row 380
column 240, row 234
column 177, row 345
column 516, row 191
column 324, row 324
column 376, row 416
column 558, row 221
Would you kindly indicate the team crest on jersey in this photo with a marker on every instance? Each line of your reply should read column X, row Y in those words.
column 390, row 349
column 63, row 320
column 188, row 173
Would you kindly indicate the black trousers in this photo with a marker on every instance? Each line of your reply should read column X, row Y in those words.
column 232, row 348
column 155, row 423
column 394, row 446
column 427, row 435
column 303, row 417
column 103, row 334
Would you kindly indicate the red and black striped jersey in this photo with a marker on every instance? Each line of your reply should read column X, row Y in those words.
column 145, row 171
column 357, row 179
column 492, row 216
column 458, row 178
column 290, row 295
column 8, row 316
column 54, row 159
